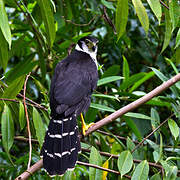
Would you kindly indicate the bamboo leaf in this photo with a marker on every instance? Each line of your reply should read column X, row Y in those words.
column 14, row 88
column 125, row 162
column 121, row 17
column 142, row 14
column 39, row 126
column 141, row 172
column 156, row 8
column 102, row 107
column 168, row 30
column 4, row 57
column 96, row 159
column 173, row 128
column 22, row 121
column 174, row 11
column 178, row 39
column 125, row 69
column 137, row 115
column 48, row 18
column 108, row 80
column 7, row 129
column 4, row 24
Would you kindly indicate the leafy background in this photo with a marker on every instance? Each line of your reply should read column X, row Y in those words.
column 138, row 50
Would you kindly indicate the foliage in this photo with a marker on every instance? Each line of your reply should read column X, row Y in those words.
column 138, row 50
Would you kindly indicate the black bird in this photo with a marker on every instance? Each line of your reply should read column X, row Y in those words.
column 73, row 82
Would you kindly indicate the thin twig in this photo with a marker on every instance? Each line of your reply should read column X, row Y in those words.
column 87, row 24
column 108, row 20
column 164, row 4
column 152, row 132
column 27, row 119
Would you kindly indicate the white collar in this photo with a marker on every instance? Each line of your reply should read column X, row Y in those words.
column 92, row 54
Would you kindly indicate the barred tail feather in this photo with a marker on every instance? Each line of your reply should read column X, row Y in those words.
column 61, row 146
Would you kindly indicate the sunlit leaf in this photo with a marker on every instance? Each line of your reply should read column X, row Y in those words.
column 96, row 159
column 14, row 88
column 141, row 172
column 109, row 5
column 168, row 29
column 39, row 126
column 108, row 80
column 172, row 173
column 137, row 115
column 7, row 129
column 125, row 68
column 142, row 14
column 125, row 162
column 105, row 165
column 173, row 128
column 4, row 57
column 121, row 17
column 22, row 121
column 178, row 39
column 174, row 11
column 48, row 18
column 101, row 107
column 4, row 24
column 156, row 8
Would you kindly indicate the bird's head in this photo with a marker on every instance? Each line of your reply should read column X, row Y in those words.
column 88, row 45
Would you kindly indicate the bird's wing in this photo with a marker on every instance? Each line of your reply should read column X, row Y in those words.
column 71, row 86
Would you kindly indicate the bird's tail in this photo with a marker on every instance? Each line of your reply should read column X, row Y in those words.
column 61, row 145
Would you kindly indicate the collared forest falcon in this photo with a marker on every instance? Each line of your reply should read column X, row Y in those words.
column 73, row 82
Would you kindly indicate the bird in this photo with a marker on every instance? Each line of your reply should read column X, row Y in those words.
column 74, row 80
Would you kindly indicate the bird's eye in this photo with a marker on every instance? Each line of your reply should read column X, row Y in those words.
column 93, row 48
column 86, row 41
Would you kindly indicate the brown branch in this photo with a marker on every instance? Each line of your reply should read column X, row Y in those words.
column 134, row 104
column 114, row 116
column 108, row 20
column 27, row 119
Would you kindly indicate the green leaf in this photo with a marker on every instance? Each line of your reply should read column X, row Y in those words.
column 4, row 24
column 141, row 81
column 105, row 96
column 173, row 128
column 28, row 64
column 178, row 39
column 133, row 127
column 156, row 177
column 108, row 80
column 14, row 88
column 102, row 107
column 39, row 126
column 48, row 18
column 156, row 8
column 22, row 121
column 4, row 57
column 172, row 173
column 174, row 11
column 7, row 129
column 95, row 158
column 125, row 162
column 155, row 120
column 109, row 5
column 111, row 71
column 121, row 17
column 168, row 30
column 125, row 69
column 142, row 14
column 141, row 172
column 137, row 115
column 131, row 80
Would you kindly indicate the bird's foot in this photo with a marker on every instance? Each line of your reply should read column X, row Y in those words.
column 85, row 126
